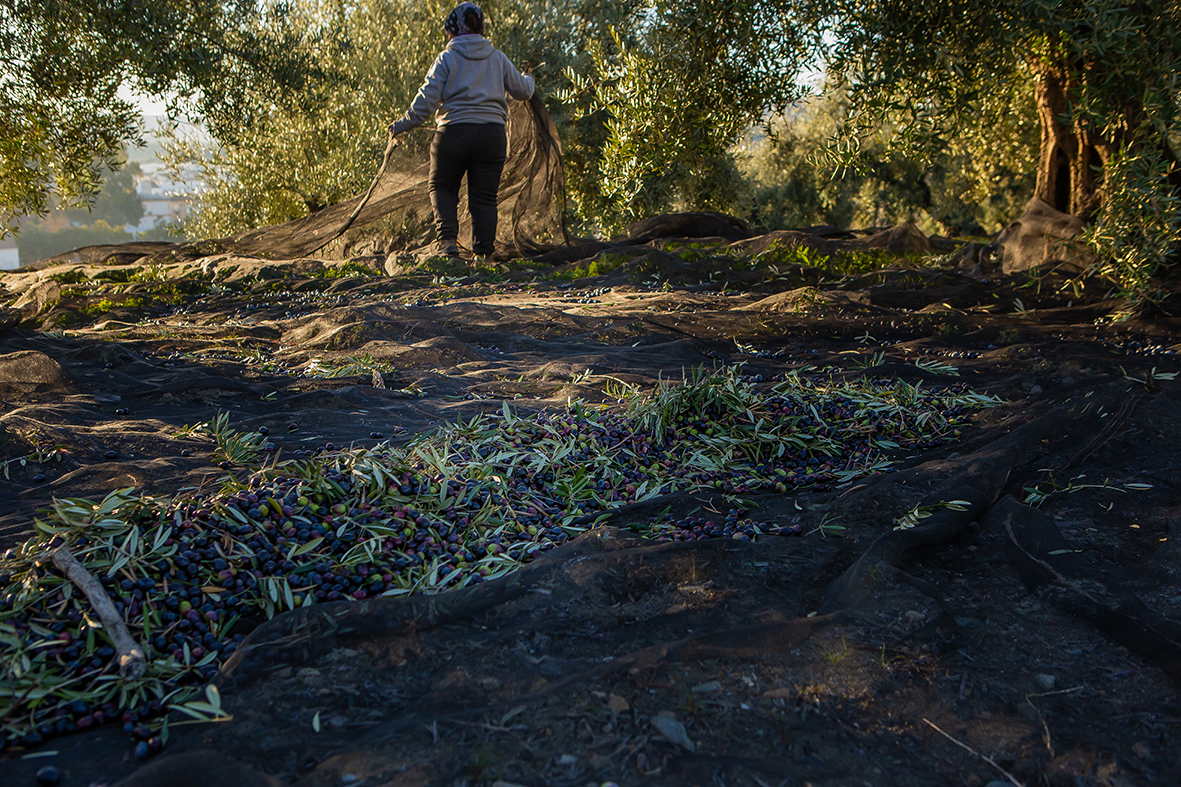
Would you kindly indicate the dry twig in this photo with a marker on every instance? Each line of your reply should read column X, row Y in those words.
column 128, row 653
column 968, row 748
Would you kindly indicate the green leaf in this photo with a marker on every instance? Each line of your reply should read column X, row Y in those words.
column 214, row 697
column 307, row 547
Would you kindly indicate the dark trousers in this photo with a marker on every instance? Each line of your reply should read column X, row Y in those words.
column 478, row 151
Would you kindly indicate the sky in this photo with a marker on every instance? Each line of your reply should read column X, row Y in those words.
column 152, row 110
column 147, row 106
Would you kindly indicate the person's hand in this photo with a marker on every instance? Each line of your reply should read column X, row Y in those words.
column 391, row 130
column 526, row 68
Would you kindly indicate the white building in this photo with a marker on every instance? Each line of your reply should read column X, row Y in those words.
column 9, row 256
column 162, row 210
column 166, row 201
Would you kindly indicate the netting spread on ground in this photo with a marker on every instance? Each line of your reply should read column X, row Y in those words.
column 470, row 502
column 531, row 201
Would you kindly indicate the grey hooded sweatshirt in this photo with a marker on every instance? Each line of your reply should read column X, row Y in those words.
column 466, row 84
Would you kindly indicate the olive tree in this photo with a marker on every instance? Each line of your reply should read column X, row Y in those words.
column 62, row 121
column 974, row 182
column 1102, row 76
column 675, row 96
column 296, row 160
column 791, row 186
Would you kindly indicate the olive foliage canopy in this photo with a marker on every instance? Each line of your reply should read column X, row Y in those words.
column 675, row 96
column 62, row 64
column 295, row 160
column 1104, row 80
column 651, row 97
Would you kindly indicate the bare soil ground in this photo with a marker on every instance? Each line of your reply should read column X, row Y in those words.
column 1006, row 642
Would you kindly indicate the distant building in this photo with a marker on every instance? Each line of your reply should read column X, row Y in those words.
column 162, row 210
column 9, row 256
column 166, row 201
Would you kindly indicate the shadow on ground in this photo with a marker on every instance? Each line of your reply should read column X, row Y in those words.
column 1001, row 641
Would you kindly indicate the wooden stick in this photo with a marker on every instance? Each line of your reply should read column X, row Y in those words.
column 988, row 760
column 128, row 653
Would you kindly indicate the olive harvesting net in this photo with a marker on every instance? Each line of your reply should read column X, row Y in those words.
column 475, row 501
column 531, row 201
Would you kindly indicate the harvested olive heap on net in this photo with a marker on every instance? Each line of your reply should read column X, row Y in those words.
column 463, row 504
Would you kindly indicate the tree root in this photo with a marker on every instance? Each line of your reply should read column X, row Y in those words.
column 884, row 554
column 988, row 467
column 304, row 633
column 977, row 479
column 924, row 587
column 1047, row 563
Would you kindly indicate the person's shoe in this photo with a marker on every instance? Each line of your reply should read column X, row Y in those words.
column 484, row 252
column 448, row 248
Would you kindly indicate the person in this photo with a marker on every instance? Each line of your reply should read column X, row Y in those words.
column 467, row 85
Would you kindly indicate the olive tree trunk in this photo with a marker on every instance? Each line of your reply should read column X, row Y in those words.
column 1072, row 156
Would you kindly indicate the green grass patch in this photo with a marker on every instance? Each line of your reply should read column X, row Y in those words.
column 75, row 276
column 349, row 269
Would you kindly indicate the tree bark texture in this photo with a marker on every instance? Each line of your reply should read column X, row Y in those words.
column 1072, row 153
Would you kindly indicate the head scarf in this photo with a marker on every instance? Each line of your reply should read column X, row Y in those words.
column 456, row 23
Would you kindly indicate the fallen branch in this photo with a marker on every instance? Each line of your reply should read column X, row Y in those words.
column 1046, row 737
column 966, row 747
column 128, row 653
